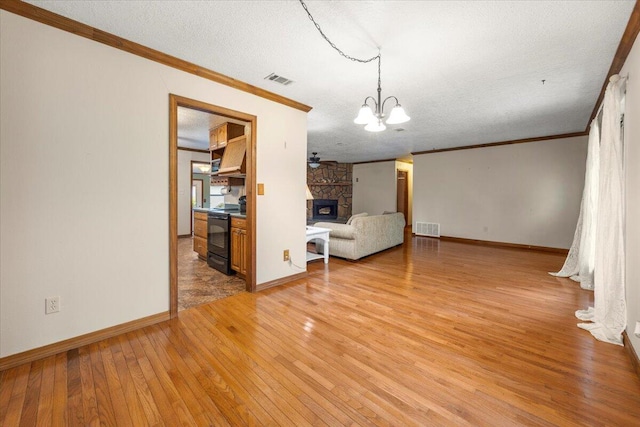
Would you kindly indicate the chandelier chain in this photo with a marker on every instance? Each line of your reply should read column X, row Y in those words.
column 373, row 119
column 364, row 61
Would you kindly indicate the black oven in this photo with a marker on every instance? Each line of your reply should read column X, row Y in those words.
column 219, row 241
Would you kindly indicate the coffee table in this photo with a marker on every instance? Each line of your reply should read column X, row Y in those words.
column 318, row 233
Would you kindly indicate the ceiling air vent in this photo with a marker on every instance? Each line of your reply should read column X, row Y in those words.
column 279, row 79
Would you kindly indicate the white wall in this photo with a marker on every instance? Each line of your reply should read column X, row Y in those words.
column 632, row 186
column 374, row 187
column 72, row 108
column 521, row 193
column 184, row 188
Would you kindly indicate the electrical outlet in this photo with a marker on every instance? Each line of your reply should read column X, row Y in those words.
column 285, row 255
column 51, row 305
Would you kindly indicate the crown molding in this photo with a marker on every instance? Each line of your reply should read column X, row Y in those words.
column 624, row 48
column 496, row 144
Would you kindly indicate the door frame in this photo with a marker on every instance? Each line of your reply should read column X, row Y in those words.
column 176, row 101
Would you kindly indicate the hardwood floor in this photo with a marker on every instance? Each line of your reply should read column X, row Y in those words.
column 431, row 333
column 198, row 283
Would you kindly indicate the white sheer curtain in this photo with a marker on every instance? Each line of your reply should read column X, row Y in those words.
column 596, row 258
column 580, row 262
column 609, row 312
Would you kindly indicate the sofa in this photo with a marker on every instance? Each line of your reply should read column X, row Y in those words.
column 364, row 236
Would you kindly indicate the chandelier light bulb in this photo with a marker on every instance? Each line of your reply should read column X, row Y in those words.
column 375, row 125
column 397, row 116
column 365, row 115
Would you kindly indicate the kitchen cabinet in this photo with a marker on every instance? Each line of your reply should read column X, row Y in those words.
column 219, row 135
column 225, row 181
column 234, row 159
column 239, row 247
column 200, row 234
column 227, row 146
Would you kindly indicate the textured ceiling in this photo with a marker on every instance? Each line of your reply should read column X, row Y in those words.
column 194, row 125
column 467, row 72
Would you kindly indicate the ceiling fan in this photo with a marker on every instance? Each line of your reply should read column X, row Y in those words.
column 314, row 161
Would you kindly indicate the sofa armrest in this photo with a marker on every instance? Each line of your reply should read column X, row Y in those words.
column 339, row 231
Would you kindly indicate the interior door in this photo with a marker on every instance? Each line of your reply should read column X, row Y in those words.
column 196, row 193
column 402, row 192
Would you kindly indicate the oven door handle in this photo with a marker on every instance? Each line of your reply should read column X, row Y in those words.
column 224, row 217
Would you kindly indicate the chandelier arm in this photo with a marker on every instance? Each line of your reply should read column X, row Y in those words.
column 374, row 101
column 385, row 101
column 364, row 61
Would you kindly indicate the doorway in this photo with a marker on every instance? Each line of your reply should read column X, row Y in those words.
column 196, row 193
column 200, row 188
column 402, row 193
column 196, row 196
column 174, row 103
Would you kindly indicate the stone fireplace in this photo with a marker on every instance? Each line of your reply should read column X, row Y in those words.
column 331, row 181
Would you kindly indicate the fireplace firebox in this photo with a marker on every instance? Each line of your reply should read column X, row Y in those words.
column 325, row 209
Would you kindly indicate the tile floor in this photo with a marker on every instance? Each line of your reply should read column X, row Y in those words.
column 197, row 282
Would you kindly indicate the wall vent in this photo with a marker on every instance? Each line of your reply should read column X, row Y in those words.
column 429, row 229
column 278, row 79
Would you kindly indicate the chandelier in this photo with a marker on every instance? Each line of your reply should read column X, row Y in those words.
column 372, row 118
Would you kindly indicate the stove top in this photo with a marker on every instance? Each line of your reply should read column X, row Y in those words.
column 225, row 210
column 227, row 207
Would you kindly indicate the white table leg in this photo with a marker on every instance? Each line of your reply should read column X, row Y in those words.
column 326, row 251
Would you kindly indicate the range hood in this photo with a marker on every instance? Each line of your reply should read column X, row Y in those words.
column 234, row 159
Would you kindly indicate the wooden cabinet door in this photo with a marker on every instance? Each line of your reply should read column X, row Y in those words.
column 239, row 248
column 236, row 249
column 244, row 258
column 222, row 136
column 213, row 139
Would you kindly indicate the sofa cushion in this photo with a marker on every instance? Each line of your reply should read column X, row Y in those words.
column 356, row 216
column 338, row 231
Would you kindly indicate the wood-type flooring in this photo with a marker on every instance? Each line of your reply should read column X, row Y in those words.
column 426, row 334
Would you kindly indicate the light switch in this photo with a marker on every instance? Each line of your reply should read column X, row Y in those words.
column 260, row 189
